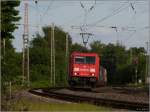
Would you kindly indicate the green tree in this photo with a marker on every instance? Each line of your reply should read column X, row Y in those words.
column 139, row 63
column 40, row 56
column 78, row 47
column 117, row 60
column 11, row 60
column 97, row 47
column 9, row 16
column 11, row 65
column 109, row 61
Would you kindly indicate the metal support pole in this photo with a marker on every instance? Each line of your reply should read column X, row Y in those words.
column 23, row 65
column 66, row 45
column 25, row 52
column 52, row 65
column 147, row 61
column 136, row 75
column 10, row 89
column 37, row 15
column 51, row 79
column 130, row 55
column 149, row 50
column 67, row 36
column 4, row 47
column 54, row 54
column 28, row 73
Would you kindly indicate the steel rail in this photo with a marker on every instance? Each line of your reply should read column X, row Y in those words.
column 92, row 100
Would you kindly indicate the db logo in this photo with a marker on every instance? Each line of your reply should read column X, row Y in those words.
column 84, row 66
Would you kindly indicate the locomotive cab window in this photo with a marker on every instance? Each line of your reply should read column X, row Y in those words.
column 90, row 59
column 85, row 60
column 79, row 60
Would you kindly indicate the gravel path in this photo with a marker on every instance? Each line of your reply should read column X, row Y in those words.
column 109, row 95
column 34, row 98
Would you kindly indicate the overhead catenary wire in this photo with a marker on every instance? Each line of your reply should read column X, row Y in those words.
column 74, row 19
column 42, row 17
column 86, row 12
column 37, row 15
column 132, row 5
column 85, row 36
column 121, row 8
column 134, row 31
column 82, row 28
column 115, row 12
column 134, row 20
column 48, row 8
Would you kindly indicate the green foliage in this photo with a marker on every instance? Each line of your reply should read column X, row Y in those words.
column 10, row 60
column 40, row 57
column 117, row 60
column 11, row 63
column 78, row 47
column 97, row 47
column 9, row 15
column 40, row 83
column 10, row 70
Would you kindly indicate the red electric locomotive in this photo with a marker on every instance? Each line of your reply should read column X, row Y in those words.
column 85, row 69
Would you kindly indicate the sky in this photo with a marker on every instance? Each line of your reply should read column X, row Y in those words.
column 129, row 19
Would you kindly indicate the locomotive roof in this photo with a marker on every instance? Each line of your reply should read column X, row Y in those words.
column 84, row 54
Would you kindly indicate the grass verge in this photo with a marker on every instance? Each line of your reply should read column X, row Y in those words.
column 28, row 105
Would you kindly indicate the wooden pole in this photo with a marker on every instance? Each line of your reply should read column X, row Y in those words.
column 23, row 62
column 146, row 75
column 4, row 47
column 28, row 71
column 54, row 54
column 51, row 79
column 66, row 45
column 67, row 36
column 10, row 89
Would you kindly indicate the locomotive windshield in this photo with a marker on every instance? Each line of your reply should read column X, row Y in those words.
column 90, row 59
column 85, row 60
column 79, row 60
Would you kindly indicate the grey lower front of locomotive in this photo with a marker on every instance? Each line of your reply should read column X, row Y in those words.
column 102, row 79
column 82, row 81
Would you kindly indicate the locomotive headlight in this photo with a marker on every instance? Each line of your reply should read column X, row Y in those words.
column 75, row 73
column 75, row 69
column 92, row 74
column 92, row 70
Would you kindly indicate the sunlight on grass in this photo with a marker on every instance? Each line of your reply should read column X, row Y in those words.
column 27, row 105
column 40, row 84
column 136, row 85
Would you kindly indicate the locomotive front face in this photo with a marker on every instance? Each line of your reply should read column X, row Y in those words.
column 84, row 69
column 85, row 66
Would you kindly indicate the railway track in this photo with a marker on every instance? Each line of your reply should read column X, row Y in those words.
column 132, row 105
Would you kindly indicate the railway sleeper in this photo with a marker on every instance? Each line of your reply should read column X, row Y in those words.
column 96, row 101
